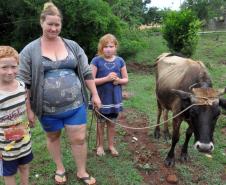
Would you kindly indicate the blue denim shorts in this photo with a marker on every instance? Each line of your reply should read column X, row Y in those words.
column 10, row 167
column 52, row 123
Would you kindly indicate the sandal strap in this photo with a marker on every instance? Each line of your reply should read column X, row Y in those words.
column 61, row 178
column 85, row 179
column 62, row 175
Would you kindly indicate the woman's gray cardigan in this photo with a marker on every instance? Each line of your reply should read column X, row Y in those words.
column 32, row 73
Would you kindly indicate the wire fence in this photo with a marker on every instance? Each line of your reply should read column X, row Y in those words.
column 214, row 31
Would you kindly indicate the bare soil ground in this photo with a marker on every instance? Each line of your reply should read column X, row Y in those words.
column 145, row 148
column 146, row 152
column 139, row 68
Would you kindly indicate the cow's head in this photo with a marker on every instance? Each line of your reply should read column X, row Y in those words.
column 203, row 114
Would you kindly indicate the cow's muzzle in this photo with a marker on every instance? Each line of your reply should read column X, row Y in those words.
column 204, row 147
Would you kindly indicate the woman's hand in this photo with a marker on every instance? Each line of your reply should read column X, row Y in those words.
column 96, row 101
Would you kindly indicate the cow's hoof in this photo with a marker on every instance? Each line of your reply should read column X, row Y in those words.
column 157, row 134
column 169, row 162
column 167, row 135
column 184, row 157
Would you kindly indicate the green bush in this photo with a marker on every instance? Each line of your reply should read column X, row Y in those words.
column 180, row 30
column 131, row 42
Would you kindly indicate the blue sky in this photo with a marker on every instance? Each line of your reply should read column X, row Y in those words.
column 172, row 4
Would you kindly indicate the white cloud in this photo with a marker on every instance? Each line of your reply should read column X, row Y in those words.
column 172, row 4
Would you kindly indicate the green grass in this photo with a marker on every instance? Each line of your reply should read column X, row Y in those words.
column 121, row 170
column 107, row 170
column 156, row 46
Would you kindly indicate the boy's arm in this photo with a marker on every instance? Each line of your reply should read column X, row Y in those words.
column 30, row 114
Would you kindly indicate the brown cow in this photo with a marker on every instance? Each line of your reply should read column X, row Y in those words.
column 182, row 83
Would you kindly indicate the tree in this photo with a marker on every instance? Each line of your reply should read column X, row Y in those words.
column 154, row 15
column 84, row 21
column 18, row 23
column 87, row 20
column 180, row 30
column 205, row 9
column 130, row 11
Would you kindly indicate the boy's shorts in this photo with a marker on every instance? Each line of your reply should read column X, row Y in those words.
column 10, row 167
column 52, row 123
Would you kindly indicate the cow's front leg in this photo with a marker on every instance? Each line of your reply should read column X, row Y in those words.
column 184, row 150
column 170, row 159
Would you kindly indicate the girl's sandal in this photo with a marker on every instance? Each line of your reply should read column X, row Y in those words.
column 87, row 180
column 62, row 177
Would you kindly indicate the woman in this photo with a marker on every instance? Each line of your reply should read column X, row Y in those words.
column 56, row 71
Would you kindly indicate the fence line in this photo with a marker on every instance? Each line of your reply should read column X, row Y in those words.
column 206, row 32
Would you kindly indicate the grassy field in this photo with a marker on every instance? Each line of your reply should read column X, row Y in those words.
column 211, row 50
column 121, row 171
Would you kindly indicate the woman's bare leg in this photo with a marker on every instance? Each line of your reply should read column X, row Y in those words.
column 53, row 145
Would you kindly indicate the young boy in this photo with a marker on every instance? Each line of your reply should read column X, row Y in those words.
column 15, row 143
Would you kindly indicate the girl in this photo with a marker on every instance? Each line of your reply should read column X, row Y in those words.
column 110, row 73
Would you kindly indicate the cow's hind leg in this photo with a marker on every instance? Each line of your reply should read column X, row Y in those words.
column 166, row 128
column 170, row 159
column 157, row 128
column 184, row 150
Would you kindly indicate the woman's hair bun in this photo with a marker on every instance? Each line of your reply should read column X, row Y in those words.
column 48, row 5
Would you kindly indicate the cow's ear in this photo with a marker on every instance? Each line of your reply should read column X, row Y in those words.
column 222, row 103
column 221, row 91
column 182, row 94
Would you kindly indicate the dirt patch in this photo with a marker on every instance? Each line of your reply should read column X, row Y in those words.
column 139, row 68
column 222, row 62
column 126, row 95
column 223, row 176
column 223, row 130
column 145, row 151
